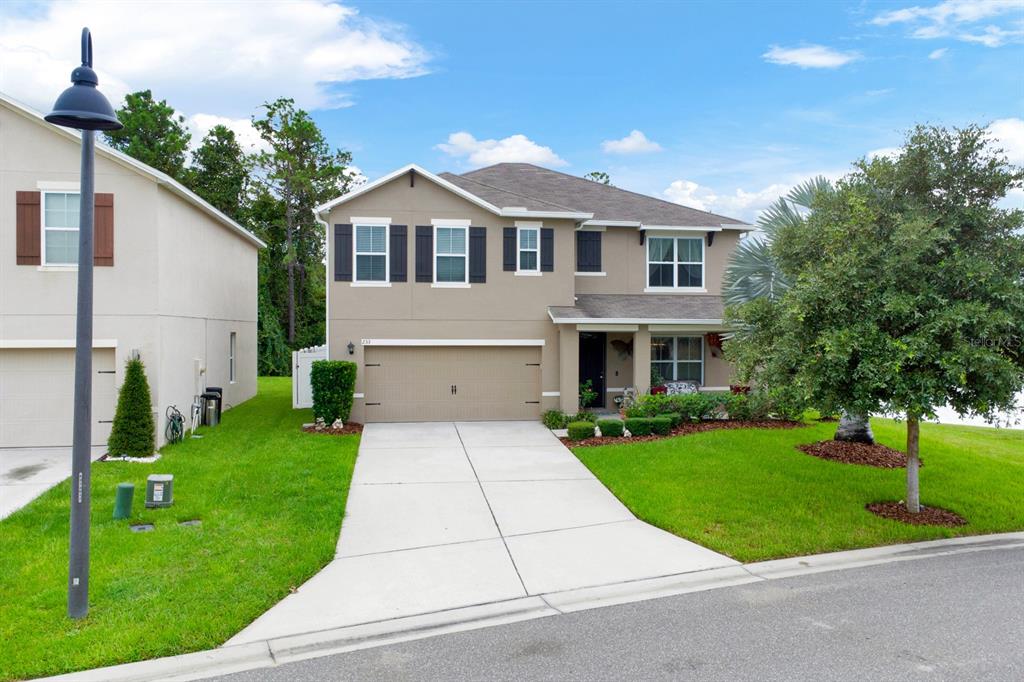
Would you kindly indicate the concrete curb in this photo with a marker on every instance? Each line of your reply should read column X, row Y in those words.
column 240, row 657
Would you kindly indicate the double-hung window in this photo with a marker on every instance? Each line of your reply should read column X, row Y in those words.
column 678, row 358
column 529, row 249
column 371, row 246
column 675, row 262
column 60, row 228
column 450, row 248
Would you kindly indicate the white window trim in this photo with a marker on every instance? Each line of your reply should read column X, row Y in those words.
column 464, row 284
column 387, row 255
column 519, row 249
column 232, row 356
column 675, row 266
column 591, row 274
column 43, row 229
column 369, row 221
column 675, row 354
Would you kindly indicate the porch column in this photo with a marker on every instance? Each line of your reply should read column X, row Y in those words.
column 642, row 360
column 568, row 368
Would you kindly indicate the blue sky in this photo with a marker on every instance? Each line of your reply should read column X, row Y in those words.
column 734, row 102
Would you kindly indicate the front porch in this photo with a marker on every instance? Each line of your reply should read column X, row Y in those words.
column 600, row 341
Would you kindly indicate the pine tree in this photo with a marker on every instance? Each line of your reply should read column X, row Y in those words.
column 133, row 433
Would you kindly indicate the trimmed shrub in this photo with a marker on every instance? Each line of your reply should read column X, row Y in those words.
column 584, row 416
column 580, row 430
column 661, row 425
column 333, row 383
column 134, row 432
column 639, row 426
column 612, row 428
column 673, row 417
column 555, row 419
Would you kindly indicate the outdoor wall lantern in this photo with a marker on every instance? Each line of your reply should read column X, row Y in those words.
column 84, row 108
column 351, row 348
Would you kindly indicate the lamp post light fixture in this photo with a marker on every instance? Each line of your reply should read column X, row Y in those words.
column 84, row 108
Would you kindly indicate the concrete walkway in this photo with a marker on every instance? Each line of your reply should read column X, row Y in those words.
column 447, row 515
column 26, row 473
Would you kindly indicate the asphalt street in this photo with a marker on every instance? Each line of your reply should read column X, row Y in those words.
column 957, row 617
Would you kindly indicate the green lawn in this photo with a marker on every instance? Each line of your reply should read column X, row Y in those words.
column 750, row 494
column 270, row 499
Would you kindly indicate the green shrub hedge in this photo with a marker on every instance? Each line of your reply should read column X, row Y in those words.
column 612, row 428
column 661, row 425
column 639, row 426
column 580, row 430
column 555, row 419
column 673, row 417
column 693, row 407
column 133, row 433
column 333, row 383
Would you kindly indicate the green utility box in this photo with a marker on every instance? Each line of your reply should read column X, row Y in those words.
column 159, row 490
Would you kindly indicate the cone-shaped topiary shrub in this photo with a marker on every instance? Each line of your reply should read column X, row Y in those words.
column 134, row 432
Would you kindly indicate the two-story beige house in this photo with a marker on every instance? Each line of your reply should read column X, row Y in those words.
column 495, row 293
column 175, row 283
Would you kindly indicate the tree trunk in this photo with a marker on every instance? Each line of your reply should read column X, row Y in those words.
column 291, row 303
column 913, row 464
column 854, row 428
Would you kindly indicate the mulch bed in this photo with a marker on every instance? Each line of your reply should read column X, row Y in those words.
column 351, row 428
column 876, row 455
column 682, row 430
column 928, row 516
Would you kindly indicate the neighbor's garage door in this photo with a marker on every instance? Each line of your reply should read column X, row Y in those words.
column 37, row 396
column 451, row 383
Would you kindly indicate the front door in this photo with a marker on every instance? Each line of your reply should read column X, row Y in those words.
column 593, row 346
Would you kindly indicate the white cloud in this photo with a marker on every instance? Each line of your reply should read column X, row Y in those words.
column 956, row 18
column 939, row 53
column 226, row 57
column 634, row 143
column 738, row 204
column 1008, row 133
column 247, row 136
column 885, row 152
column 809, row 56
column 514, row 148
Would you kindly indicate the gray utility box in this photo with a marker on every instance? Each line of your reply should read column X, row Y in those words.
column 159, row 490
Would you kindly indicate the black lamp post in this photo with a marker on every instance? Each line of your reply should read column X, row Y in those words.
column 84, row 107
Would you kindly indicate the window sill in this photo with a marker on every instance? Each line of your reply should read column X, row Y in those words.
column 57, row 268
column 450, row 285
column 528, row 273
column 591, row 274
column 675, row 290
column 370, row 284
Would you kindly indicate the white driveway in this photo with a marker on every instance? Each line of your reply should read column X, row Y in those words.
column 448, row 515
column 26, row 473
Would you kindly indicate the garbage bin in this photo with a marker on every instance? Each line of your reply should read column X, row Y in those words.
column 211, row 409
column 220, row 398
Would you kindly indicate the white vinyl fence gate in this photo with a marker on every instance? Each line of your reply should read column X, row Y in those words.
column 302, row 366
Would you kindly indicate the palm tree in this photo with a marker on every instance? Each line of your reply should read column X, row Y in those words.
column 753, row 272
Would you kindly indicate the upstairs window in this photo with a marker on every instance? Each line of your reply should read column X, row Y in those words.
column 675, row 262
column 371, row 246
column 60, row 228
column 529, row 249
column 450, row 255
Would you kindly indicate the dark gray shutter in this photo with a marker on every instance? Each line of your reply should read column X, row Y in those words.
column 424, row 253
column 398, row 252
column 477, row 254
column 547, row 249
column 509, row 249
column 342, row 253
column 588, row 251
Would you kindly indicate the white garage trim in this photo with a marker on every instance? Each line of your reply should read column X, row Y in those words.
column 452, row 342
column 53, row 343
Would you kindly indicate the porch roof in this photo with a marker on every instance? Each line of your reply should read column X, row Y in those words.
column 641, row 309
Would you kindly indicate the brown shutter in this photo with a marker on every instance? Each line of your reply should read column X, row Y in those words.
column 103, row 232
column 29, row 228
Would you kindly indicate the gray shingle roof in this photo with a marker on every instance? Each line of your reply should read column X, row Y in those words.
column 641, row 307
column 545, row 188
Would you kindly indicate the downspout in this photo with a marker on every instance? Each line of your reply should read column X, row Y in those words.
column 327, row 282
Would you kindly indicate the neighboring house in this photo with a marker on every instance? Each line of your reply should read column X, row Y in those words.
column 175, row 282
column 493, row 294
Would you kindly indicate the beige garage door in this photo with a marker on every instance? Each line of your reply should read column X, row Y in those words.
column 37, row 396
column 451, row 383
